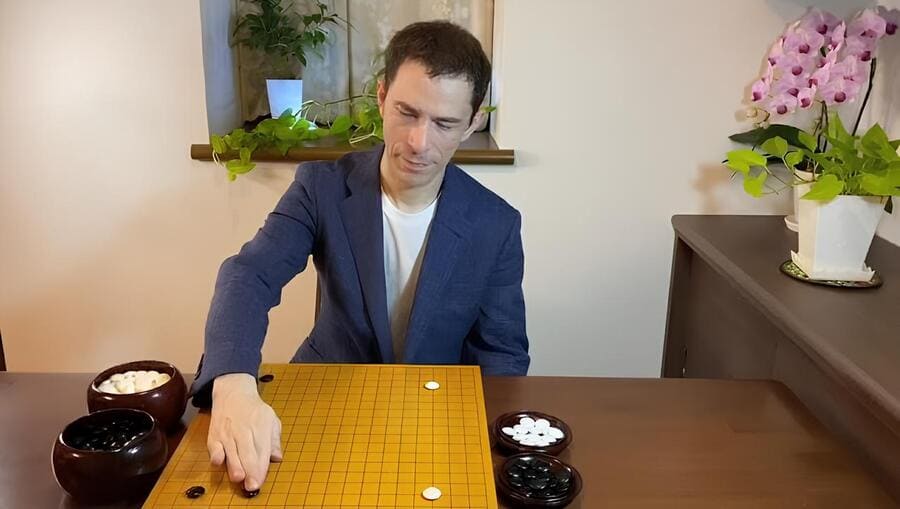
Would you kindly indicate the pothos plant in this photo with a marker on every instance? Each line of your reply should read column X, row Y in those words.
column 820, row 61
column 284, row 36
column 291, row 130
column 866, row 165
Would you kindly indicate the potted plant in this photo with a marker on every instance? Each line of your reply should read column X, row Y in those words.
column 820, row 62
column 285, row 38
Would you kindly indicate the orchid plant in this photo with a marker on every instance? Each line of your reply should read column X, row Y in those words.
column 820, row 61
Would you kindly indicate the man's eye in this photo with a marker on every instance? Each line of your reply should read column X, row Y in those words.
column 444, row 127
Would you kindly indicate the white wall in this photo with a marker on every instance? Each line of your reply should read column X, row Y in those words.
column 619, row 113
column 886, row 110
column 110, row 236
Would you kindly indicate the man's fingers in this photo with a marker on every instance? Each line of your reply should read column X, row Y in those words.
column 276, row 454
column 216, row 452
column 233, row 461
column 250, row 461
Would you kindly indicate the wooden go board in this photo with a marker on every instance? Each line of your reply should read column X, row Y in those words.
column 354, row 436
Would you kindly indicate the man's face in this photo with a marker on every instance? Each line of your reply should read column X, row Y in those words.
column 425, row 120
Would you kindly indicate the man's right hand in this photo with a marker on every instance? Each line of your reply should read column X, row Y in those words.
column 244, row 431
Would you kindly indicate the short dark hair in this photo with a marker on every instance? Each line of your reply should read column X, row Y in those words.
column 445, row 49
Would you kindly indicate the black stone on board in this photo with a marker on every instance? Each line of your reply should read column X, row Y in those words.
column 195, row 492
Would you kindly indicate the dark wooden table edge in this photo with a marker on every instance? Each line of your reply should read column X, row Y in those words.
column 871, row 395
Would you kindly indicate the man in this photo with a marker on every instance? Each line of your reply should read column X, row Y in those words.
column 416, row 261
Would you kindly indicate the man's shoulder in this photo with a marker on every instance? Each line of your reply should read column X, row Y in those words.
column 481, row 199
column 337, row 172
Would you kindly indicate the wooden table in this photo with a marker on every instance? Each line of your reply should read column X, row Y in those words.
column 733, row 314
column 647, row 443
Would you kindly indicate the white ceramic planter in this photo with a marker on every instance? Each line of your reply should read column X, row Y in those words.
column 798, row 190
column 284, row 94
column 835, row 236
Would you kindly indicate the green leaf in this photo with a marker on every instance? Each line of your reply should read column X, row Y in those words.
column 792, row 159
column 825, row 188
column 807, row 140
column 776, row 146
column 827, row 164
column 754, row 185
column 876, row 142
column 245, row 155
column 836, row 129
column 755, row 137
column 341, row 124
column 738, row 166
column 489, row 109
column 745, row 158
column 239, row 167
column 218, row 144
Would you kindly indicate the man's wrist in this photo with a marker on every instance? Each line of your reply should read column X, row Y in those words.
column 231, row 382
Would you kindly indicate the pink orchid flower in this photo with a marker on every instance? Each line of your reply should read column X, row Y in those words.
column 891, row 18
column 782, row 104
column 867, row 24
column 819, row 21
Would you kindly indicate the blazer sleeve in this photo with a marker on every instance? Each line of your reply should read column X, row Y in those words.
column 498, row 342
column 249, row 284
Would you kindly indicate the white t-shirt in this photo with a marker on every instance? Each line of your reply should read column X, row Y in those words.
column 405, row 236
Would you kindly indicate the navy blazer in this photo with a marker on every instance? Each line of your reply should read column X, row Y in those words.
column 468, row 307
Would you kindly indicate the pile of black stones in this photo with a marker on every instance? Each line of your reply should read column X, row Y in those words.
column 535, row 477
column 110, row 435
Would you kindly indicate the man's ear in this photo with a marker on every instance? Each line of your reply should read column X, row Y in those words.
column 382, row 95
column 478, row 122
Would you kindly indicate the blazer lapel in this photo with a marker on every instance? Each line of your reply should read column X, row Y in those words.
column 361, row 215
column 448, row 229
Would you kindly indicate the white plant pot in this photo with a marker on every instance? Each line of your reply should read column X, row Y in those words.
column 798, row 190
column 284, row 94
column 835, row 236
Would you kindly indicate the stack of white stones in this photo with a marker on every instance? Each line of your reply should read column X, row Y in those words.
column 131, row 382
column 534, row 433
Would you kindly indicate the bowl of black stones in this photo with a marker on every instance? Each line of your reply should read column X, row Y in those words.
column 537, row 480
column 529, row 431
column 109, row 456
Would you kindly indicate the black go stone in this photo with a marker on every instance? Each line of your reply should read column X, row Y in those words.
column 535, row 478
column 267, row 378
column 250, row 494
column 195, row 492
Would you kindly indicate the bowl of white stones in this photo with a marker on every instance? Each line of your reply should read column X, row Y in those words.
column 155, row 387
column 529, row 431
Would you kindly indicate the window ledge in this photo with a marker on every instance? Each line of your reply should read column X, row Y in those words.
column 480, row 148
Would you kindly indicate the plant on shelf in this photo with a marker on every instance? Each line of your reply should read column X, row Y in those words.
column 285, row 39
column 363, row 125
column 822, row 62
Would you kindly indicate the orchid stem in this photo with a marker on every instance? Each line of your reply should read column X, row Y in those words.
column 866, row 98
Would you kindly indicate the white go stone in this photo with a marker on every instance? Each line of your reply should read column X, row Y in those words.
column 431, row 493
column 534, row 432
column 131, row 382
column 431, row 385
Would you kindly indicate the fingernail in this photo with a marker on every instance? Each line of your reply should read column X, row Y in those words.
column 251, row 485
